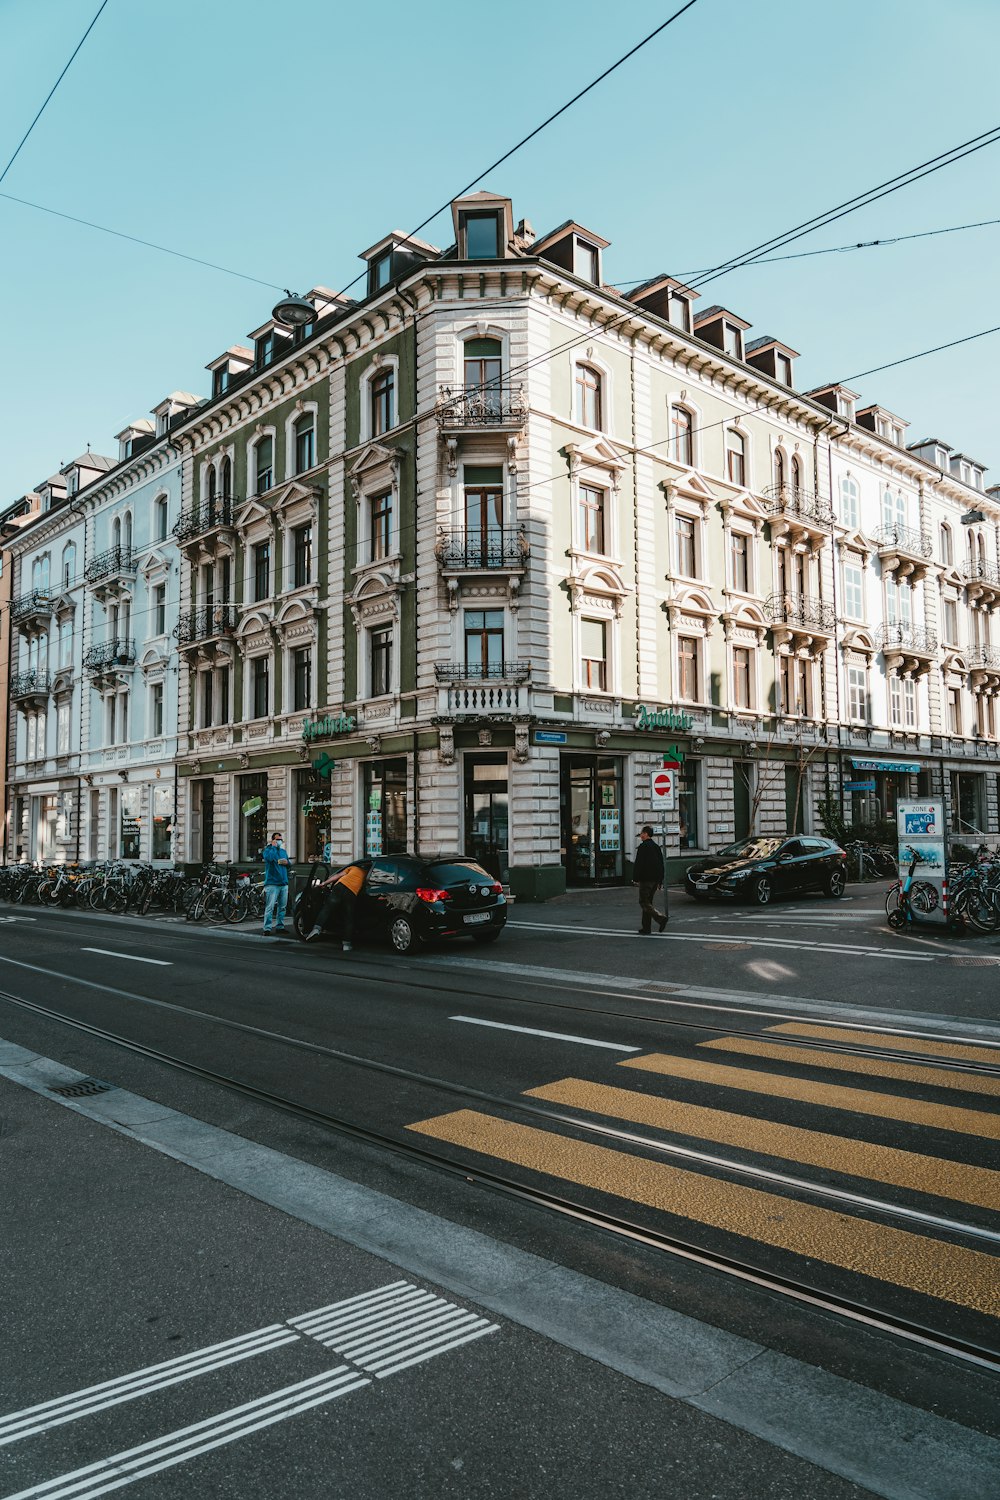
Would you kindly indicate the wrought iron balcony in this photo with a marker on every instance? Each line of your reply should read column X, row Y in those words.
column 460, row 671
column 205, row 623
column 117, row 562
column 800, row 613
column 500, row 548
column 983, row 658
column 29, row 685
column 903, row 539
column 907, row 638
column 109, row 655
column 204, row 518
column 792, row 500
column 33, row 606
column 482, row 406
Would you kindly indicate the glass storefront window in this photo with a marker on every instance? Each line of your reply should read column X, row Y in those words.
column 313, row 808
column 967, row 802
column 163, row 816
column 688, row 808
column 129, row 802
column 252, row 802
column 385, row 807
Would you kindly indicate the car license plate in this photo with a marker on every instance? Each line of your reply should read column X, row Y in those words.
column 478, row 916
column 701, row 885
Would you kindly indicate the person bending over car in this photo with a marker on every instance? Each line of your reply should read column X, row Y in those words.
column 339, row 905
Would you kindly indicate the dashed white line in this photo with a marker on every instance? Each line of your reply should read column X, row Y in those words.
column 163, row 963
column 552, row 1036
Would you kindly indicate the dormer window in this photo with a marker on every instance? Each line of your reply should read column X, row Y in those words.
column 481, row 236
column 845, row 406
column 679, row 312
column 586, row 261
column 264, row 349
column 732, row 340
column 162, row 423
column 783, row 368
column 220, row 380
column 379, row 273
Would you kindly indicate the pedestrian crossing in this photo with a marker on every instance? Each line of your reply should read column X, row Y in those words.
column 931, row 1231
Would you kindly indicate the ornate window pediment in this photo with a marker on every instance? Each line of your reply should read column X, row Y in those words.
column 153, row 563
column 63, row 604
column 598, row 454
column 597, row 586
column 153, row 661
column 375, row 600
column 254, row 516
column 255, row 623
column 853, row 541
column 858, row 641
column 375, row 464
column 294, row 497
column 296, row 620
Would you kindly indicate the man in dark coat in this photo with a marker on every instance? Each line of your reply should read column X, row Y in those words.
column 647, row 874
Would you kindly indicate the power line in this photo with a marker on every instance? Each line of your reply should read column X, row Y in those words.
column 768, row 260
column 860, row 200
column 52, row 90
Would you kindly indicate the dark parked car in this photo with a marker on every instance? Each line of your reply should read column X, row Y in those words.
column 408, row 901
column 760, row 868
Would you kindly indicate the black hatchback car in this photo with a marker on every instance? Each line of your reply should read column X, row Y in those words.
column 758, row 869
column 406, row 901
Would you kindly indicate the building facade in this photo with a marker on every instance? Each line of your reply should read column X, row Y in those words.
column 462, row 563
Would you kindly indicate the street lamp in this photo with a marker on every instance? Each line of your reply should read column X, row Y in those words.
column 293, row 311
column 973, row 517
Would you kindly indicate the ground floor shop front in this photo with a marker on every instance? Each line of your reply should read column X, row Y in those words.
column 82, row 819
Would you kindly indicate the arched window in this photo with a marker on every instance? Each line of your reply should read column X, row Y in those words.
column 589, row 397
column 683, row 435
column 304, row 434
column 893, row 509
column 482, row 365
column 160, row 521
column 981, row 548
column 68, row 564
column 779, row 470
column 849, row 510
column 796, row 475
column 226, row 477
column 116, row 533
column 736, row 456
column 382, row 400
column 947, row 546
column 263, row 465
column 213, row 480
column 128, row 532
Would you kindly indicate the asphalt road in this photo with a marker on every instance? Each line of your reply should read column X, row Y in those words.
column 731, row 1084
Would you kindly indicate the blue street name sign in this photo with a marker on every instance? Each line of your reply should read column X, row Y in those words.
column 860, row 786
column 550, row 737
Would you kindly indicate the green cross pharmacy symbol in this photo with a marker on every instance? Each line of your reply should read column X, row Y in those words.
column 324, row 764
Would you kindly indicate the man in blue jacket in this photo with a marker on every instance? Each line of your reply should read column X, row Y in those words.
column 647, row 874
column 276, row 863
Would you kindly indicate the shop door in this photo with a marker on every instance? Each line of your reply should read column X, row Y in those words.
column 591, row 798
column 743, row 773
column 487, row 813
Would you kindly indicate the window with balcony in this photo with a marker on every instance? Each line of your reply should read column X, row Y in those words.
column 160, row 609
column 304, row 437
column 854, row 591
column 898, row 602
column 589, row 397
column 226, row 478
column 742, row 677
column 482, row 372
column 302, row 556
column 260, row 682
column 850, row 512
column 893, row 508
column 261, row 571
column 484, row 513
column 380, row 661
column 69, row 565
column 686, row 544
column 857, row 694
column 592, row 514
column 302, row 678
column 796, row 475
column 779, row 470
column 264, row 465
column 736, row 457
column 380, row 525
column 689, row 668
column 381, row 398
column 40, row 574
column 682, row 435
column 484, row 642
column 594, row 654
column 740, row 557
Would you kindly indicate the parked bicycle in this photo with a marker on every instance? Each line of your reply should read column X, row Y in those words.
column 911, row 902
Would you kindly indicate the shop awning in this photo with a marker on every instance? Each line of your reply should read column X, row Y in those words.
column 906, row 766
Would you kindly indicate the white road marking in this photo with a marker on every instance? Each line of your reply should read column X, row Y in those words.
column 853, row 950
column 164, row 963
column 18, row 919
column 201, row 1437
column 395, row 1328
column 554, row 1036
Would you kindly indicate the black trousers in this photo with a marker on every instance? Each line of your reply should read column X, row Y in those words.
column 337, row 911
column 647, row 896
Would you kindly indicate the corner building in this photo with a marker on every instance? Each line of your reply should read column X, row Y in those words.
column 466, row 560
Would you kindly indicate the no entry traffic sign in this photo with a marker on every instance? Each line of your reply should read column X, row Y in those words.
column 663, row 785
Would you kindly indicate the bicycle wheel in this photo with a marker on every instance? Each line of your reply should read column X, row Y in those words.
column 923, row 896
column 116, row 900
column 978, row 910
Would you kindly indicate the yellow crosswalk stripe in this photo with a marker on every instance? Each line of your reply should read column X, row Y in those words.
column 833, row 1096
column 935, row 1268
column 988, row 1056
column 906, row 1169
column 844, row 1062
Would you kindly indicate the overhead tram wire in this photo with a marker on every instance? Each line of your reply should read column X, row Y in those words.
column 52, row 90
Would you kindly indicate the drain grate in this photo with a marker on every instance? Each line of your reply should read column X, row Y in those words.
column 976, row 963
column 82, row 1089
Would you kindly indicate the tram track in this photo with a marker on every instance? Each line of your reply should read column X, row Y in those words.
column 618, row 1225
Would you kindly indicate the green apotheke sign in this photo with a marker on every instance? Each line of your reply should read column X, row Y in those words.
column 662, row 718
column 330, row 724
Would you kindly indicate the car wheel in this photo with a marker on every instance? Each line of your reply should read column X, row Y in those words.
column 401, row 934
column 762, row 891
column 487, row 937
column 835, row 883
column 299, row 927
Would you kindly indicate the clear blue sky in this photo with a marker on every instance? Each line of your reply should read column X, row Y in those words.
column 282, row 139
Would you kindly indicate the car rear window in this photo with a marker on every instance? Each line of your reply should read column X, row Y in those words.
column 458, row 874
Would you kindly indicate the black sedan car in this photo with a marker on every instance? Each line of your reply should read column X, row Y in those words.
column 406, row 901
column 759, row 869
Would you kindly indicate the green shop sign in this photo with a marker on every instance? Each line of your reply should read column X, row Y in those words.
column 662, row 718
column 322, row 729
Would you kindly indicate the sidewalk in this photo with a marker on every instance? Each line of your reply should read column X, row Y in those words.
column 226, row 1328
